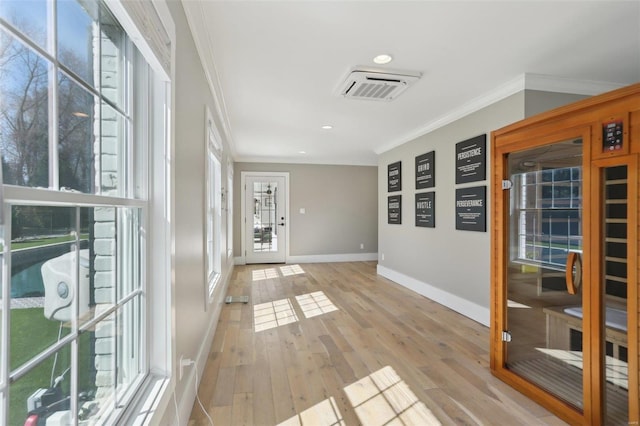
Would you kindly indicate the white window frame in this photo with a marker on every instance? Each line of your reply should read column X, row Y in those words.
column 155, row 188
column 213, row 207
column 229, row 201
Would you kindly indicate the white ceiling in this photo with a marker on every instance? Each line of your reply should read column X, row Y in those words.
column 276, row 65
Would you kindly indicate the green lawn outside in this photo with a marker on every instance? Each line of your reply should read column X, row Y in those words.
column 45, row 241
column 31, row 333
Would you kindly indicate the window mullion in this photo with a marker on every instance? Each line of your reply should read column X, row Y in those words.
column 5, row 320
column 53, row 97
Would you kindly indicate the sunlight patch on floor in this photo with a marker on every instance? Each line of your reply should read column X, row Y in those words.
column 314, row 304
column 273, row 314
column 289, row 270
column 616, row 370
column 383, row 398
column 264, row 274
column 512, row 304
column 325, row 413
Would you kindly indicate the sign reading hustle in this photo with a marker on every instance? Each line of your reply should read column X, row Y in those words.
column 426, row 170
column 394, row 209
column 394, row 177
column 471, row 209
column 426, row 209
column 471, row 163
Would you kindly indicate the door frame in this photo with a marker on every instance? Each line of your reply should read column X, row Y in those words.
column 593, row 114
column 243, row 211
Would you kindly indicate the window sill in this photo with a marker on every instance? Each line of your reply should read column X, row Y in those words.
column 149, row 406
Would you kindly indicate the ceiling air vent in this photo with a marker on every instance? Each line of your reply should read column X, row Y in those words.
column 376, row 85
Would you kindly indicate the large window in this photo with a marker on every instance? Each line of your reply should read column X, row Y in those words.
column 213, row 216
column 549, row 222
column 74, row 93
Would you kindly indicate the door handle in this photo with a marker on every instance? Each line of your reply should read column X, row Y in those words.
column 573, row 280
column 281, row 224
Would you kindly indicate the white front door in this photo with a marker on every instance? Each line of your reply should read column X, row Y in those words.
column 265, row 216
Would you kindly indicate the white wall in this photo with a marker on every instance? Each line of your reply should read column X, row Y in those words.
column 449, row 266
column 194, row 322
column 340, row 205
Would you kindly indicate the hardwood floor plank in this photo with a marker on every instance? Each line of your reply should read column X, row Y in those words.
column 299, row 369
column 242, row 412
column 223, row 392
column 333, row 384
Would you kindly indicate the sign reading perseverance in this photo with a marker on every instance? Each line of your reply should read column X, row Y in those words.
column 471, row 209
column 471, row 160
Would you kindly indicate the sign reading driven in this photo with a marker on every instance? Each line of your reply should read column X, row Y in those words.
column 471, row 160
column 426, row 170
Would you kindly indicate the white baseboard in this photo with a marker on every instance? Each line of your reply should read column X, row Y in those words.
column 322, row 258
column 328, row 258
column 185, row 404
column 462, row 306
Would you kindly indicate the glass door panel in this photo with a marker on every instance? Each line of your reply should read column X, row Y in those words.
column 544, row 306
column 265, row 219
column 614, row 287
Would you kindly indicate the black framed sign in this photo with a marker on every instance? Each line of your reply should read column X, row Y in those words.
column 426, row 170
column 394, row 209
column 471, row 159
column 471, row 209
column 426, row 209
column 394, row 177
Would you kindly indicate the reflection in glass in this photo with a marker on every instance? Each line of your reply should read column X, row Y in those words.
column 46, row 385
column 97, row 376
column 112, row 62
column 545, row 225
column 102, row 234
column 29, row 17
column 129, row 339
column 75, row 135
column 130, row 250
column 265, row 214
column 24, row 116
column 75, row 37
column 112, row 141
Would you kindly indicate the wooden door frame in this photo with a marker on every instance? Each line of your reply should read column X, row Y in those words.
column 597, row 351
column 542, row 136
column 593, row 113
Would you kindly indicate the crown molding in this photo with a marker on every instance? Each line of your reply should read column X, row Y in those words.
column 195, row 14
column 525, row 81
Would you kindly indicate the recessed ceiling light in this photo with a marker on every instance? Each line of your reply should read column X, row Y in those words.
column 382, row 59
column 327, row 127
column 302, row 152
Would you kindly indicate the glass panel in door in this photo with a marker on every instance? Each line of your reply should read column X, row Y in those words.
column 614, row 287
column 544, row 308
column 265, row 218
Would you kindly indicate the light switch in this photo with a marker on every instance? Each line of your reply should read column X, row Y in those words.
column 302, row 210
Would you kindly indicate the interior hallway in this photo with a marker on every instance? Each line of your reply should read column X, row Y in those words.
column 325, row 344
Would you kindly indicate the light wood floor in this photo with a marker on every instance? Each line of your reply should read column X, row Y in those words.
column 327, row 344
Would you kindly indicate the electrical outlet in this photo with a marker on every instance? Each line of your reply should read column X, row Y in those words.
column 184, row 362
column 382, row 256
column 361, row 246
column 181, row 366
